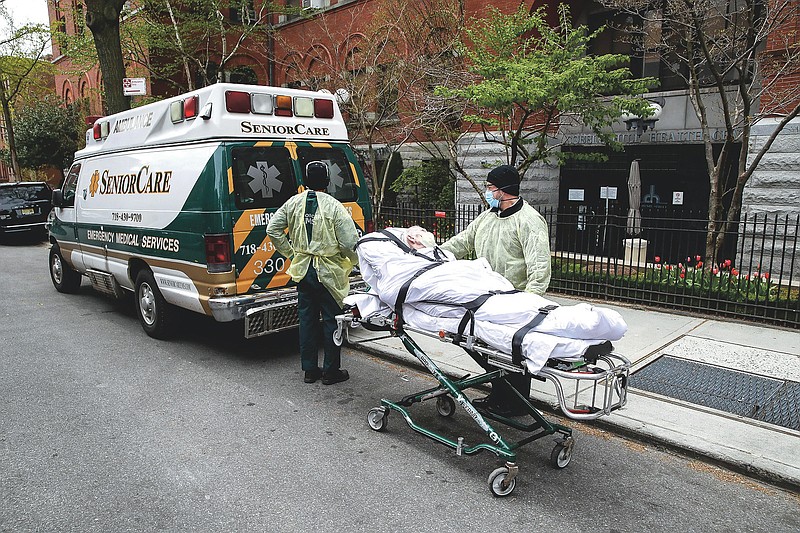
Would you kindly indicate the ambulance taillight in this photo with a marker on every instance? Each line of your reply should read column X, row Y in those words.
column 237, row 101
column 190, row 106
column 218, row 253
column 323, row 108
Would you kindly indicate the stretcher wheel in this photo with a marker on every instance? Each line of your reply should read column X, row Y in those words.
column 445, row 406
column 338, row 337
column 497, row 482
column 377, row 418
column 561, row 455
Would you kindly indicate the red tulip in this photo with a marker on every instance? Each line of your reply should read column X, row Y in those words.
column 766, row 275
column 734, row 272
column 715, row 271
column 657, row 259
column 697, row 258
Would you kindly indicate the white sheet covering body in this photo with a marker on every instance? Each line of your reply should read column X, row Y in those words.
column 435, row 301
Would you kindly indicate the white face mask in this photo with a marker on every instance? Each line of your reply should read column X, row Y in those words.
column 491, row 200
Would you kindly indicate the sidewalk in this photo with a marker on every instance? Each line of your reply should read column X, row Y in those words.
column 767, row 451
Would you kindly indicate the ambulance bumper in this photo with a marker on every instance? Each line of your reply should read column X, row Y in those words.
column 264, row 313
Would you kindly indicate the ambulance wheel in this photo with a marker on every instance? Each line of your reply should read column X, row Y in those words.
column 377, row 418
column 561, row 455
column 64, row 278
column 498, row 484
column 153, row 310
column 445, row 406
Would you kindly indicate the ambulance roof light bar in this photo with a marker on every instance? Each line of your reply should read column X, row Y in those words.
column 280, row 105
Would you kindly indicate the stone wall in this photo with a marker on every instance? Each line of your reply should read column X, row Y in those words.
column 771, row 205
column 775, row 185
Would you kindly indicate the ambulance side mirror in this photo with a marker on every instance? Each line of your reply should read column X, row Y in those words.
column 58, row 198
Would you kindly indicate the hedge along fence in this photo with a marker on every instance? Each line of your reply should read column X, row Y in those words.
column 756, row 278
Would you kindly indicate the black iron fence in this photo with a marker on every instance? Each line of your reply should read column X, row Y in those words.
column 756, row 275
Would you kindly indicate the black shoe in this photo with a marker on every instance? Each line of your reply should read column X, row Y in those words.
column 482, row 403
column 489, row 405
column 335, row 376
column 312, row 375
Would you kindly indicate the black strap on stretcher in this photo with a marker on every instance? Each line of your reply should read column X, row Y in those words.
column 401, row 295
column 469, row 316
column 516, row 342
column 438, row 256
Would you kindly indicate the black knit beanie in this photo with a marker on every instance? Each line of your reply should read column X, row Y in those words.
column 505, row 178
column 317, row 176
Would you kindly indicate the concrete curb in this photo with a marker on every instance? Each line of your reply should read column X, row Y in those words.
column 754, row 450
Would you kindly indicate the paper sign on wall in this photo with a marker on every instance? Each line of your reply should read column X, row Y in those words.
column 677, row 197
column 576, row 195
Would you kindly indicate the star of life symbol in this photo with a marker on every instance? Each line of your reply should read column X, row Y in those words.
column 264, row 179
column 337, row 180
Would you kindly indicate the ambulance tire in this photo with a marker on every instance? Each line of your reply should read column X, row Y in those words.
column 154, row 313
column 64, row 278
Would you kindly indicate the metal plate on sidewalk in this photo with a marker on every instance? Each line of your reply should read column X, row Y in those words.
column 741, row 393
column 783, row 408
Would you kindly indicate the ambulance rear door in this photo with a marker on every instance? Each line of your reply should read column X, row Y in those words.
column 261, row 178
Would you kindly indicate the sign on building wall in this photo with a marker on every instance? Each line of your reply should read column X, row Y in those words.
column 134, row 86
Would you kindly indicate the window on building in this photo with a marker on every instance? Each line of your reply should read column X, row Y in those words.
column 244, row 75
column 243, row 12
column 60, row 18
column 80, row 21
column 640, row 40
column 387, row 94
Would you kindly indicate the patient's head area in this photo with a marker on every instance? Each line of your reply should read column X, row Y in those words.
column 418, row 238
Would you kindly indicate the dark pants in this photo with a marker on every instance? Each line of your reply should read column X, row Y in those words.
column 501, row 393
column 314, row 299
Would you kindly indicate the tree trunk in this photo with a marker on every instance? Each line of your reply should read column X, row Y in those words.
column 12, row 145
column 102, row 17
column 186, row 70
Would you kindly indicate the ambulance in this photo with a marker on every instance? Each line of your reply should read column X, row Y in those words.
column 171, row 201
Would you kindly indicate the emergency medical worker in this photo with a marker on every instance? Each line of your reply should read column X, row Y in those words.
column 320, row 244
column 513, row 237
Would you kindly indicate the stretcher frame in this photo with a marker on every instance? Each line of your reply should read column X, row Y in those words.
column 609, row 371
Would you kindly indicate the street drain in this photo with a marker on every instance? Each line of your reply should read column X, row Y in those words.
column 761, row 398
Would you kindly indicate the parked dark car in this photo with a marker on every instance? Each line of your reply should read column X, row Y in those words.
column 24, row 206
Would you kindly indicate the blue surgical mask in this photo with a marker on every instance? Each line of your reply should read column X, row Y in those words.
column 493, row 202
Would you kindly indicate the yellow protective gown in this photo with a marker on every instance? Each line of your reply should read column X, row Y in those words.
column 515, row 242
column 333, row 240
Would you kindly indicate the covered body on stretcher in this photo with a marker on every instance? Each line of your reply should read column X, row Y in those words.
column 478, row 309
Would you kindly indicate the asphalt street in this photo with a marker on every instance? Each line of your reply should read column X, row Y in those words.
column 105, row 429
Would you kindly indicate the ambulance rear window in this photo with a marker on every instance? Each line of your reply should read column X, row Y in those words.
column 262, row 177
column 342, row 186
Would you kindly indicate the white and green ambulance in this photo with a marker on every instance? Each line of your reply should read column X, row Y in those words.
column 171, row 200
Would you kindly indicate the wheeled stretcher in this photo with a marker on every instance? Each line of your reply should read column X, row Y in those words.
column 424, row 291
column 587, row 388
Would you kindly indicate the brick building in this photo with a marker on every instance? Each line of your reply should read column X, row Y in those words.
column 306, row 52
